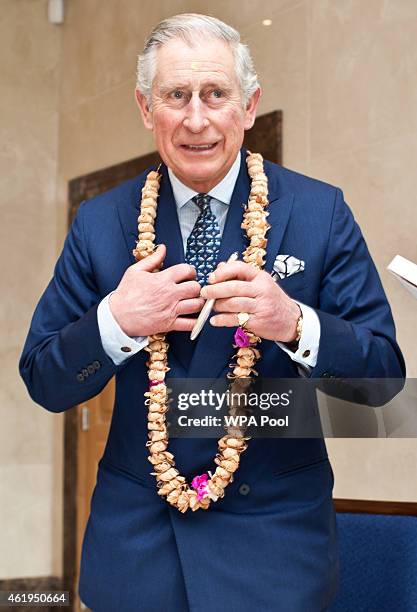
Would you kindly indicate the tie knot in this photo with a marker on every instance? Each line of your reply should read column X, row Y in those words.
column 202, row 200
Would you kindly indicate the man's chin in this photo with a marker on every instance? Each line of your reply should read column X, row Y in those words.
column 200, row 174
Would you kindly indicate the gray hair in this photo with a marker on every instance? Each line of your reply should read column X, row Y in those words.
column 189, row 27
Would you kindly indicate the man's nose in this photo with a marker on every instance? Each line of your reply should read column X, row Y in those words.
column 196, row 119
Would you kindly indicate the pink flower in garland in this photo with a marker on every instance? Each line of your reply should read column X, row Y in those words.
column 199, row 483
column 153, row 383
column 241, row 338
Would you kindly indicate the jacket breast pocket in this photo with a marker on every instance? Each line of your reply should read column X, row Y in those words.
column 293, row 285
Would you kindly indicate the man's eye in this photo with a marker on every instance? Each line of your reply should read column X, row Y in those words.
column 217, row 93
column 177, row 94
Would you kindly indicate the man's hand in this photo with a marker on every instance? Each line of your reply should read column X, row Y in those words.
column 147, row 302
column 239, row 287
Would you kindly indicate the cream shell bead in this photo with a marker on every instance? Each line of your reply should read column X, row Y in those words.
column 157, row 447
column 149, row 205
column 156, row 375
column 235, row 442
column 155, row 176
column 224, row 474
column 156, row 416
column 157, row 345
column 160, row 457
column 203, row 503
column 173, row 496
column 167, row 487
column 255, row 231
column 148, row 236
column 229, row 465
column 157, row 427
column 162, row 467
column 169, row 474
column 156, row 365
column 255, row 206
column 158, row 356
column 144, row 218
column 183, row 502
column 229, row 452
column 219, row 491
column 157, row 436
column 150, row 211
column 258, row 241
column 152, row 183
column 145, row 227
column 255, row 171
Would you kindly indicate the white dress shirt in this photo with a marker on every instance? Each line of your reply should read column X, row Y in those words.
column 119, row 346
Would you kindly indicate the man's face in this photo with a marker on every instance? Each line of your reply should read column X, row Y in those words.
column 197, row 114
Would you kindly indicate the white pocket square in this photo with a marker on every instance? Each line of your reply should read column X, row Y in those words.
column 286, row 265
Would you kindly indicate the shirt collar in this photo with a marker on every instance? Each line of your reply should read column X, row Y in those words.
column 222, row 191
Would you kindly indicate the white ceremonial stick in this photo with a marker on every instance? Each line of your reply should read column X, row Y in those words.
column 208, row 307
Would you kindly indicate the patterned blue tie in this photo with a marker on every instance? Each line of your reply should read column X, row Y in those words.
column 204, row 241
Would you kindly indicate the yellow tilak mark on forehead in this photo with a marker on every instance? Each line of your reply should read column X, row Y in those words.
column 194, row 65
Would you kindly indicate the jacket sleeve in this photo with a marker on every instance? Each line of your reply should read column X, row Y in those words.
column 357, row 329
column 63, row 362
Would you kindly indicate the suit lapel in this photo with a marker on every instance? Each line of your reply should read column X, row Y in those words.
column 279, row 215
column 167, row 228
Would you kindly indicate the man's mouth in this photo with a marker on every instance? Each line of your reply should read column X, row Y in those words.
column 199, row 147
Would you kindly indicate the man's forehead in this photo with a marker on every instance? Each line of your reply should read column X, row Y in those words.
column 202, row 54
column 179, row 66
column 193, row 72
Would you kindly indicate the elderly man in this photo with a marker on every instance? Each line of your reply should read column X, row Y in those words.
column 264, row 539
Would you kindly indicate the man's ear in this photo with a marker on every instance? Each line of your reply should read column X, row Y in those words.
column 144, row 110
column 251, row 106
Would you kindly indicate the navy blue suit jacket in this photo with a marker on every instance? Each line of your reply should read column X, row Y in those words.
column 267, row 546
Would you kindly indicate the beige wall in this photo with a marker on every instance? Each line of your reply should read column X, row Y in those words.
column 344, row 73
column 30, row 486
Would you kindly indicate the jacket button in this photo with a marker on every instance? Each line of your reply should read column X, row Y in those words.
column 325, row 375
column 126, row 349
column 90, row 368
column 80, row 377
column 85, row 372
column 244, row 489
column 96, row 365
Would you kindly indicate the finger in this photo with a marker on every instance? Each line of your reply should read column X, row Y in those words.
column 187, row 290
column 233, row 288
column 152, row 262
column 184, row 324
column 225, row 320
column 235, row 269
column 179, row 272
column 190, row 306
column 235, row 304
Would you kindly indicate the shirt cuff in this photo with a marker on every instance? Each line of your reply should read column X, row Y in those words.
column 308, row 346
column 118, row 345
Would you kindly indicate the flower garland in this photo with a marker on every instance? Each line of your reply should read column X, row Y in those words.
column 207, row 487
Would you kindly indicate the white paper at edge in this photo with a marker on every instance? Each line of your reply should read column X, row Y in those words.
column 406, row 272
